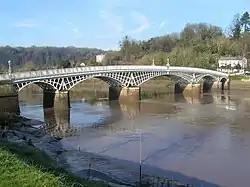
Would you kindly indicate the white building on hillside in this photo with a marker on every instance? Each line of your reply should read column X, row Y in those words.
column 100, row 58
column 232, row 64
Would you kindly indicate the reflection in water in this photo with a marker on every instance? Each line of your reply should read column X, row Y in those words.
column 57, row 121
column 207, row 137
column 84, row 113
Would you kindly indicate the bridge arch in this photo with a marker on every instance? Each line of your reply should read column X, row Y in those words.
column 42, row 84
column 207, row 77
column 77, row 80
column 175, row 77
column 223, row 82
column 223, row 79
column 210, row 81
column 207, row 82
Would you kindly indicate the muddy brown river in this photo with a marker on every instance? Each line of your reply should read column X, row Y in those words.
column 205, row 140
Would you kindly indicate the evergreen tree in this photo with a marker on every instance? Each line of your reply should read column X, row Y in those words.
column 236, row 27
column 245, row 21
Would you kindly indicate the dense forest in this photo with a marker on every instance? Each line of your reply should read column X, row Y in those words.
column 197, row 45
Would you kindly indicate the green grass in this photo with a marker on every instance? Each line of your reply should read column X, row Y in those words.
column 25, row 166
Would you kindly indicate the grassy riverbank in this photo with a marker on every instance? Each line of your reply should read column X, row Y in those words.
column 23, row 165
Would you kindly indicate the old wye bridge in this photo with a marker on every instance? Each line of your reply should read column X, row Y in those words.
column 124, row 81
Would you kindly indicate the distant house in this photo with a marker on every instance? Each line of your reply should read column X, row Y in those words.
column 100, row 58
column 232, row 64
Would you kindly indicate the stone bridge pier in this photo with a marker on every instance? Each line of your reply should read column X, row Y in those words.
column 56, row 98
column 188, row 89
column 61, row 99
column 225, row 84
column 125, row 94
column 133, row 94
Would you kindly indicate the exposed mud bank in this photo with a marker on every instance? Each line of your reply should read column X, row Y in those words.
column 84, row 164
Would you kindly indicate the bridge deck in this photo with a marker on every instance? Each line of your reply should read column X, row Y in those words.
column 42, row 74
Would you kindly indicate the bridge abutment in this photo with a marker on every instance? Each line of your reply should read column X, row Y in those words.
column 9, row 99
column 192, row 89
column 56, row 99
column 125, row 94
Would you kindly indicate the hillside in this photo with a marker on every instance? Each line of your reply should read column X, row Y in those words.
column 198, row 44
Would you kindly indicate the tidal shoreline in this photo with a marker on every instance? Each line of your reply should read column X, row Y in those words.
column 81, row 163
column 31, row 133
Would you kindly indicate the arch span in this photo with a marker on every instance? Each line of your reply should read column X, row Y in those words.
column 42, row 84
column 223, row 79
column 223, row 82
column 77, row 80
column 186, row 78
column 207, row 83
column 206, row 77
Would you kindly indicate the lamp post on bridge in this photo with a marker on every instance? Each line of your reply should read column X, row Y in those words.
column 153, row 62
column 168, row 64
column 9, row 68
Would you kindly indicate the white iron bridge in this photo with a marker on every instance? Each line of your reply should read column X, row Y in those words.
column 123, row 76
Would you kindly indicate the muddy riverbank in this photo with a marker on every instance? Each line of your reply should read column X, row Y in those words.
column 84, row 164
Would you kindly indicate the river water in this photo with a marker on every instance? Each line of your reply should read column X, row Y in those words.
column 205, row 139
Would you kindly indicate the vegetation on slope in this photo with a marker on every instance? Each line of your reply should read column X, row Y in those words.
column 32, row 58
column 199, row 45
column 25, row 166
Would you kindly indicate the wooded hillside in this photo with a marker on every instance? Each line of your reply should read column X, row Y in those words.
column 44, row 57
column 198, row 45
